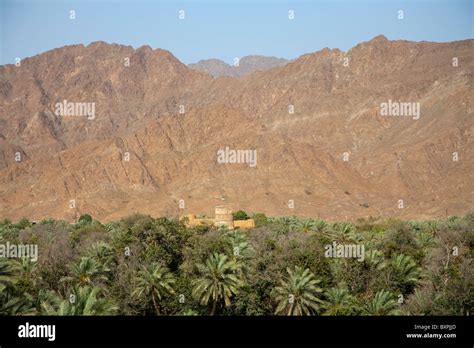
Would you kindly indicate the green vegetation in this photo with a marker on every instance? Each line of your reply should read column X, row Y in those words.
column 145, row 266
column 298, row 293
column 240, row 215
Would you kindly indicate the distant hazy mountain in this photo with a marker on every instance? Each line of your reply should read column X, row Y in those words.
column 247, row 65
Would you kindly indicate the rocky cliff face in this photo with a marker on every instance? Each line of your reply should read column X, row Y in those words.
column 322, row 141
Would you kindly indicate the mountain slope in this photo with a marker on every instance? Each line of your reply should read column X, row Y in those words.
column 336, row 97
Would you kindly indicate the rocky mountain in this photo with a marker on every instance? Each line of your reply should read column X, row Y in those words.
column 245, row 66
column 323, row 144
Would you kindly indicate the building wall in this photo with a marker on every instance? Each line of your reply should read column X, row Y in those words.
column 223, row 217
column 250, row 223
column 193, row 221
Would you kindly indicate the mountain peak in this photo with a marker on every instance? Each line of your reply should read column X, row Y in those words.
column 98, row 44
column 379, row 38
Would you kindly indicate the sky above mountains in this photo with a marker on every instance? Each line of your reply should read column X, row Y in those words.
column 226, row 30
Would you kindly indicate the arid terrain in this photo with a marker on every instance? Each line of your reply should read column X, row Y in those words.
column 240, row 67
column 171, row 120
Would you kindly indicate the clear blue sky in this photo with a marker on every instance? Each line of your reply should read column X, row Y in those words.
column 227, row 29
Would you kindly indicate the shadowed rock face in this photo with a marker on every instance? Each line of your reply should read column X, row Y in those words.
column 246, row 65
column 316, row 124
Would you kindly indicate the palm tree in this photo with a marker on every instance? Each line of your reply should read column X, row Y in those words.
column 7, row 272
column 342, row 232
column 425, row 240
column 26, row 266
column 286, row 224
column 432, row 226
column 218, row 281
column 320, row 226
column 383, row 303
column 405, row 273
column 339, row 302
column 103, row 253
column 11, row 301
column 239, row 242
column 50, row 303
column 154, row 281
column 85, row 301
column 85, row 272
column 26, row 270
column 375, row 260
column 374, row 264
column 306, row 225
column 12, row 304
column 298, row 293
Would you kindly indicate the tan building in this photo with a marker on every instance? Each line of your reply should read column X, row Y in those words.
column 223, row 217
column 250, row 223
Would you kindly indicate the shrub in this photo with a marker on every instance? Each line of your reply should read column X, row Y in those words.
column 240, row 215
